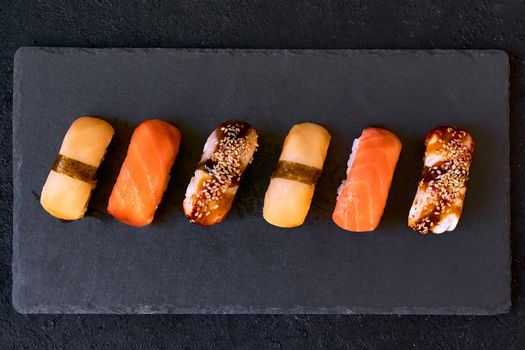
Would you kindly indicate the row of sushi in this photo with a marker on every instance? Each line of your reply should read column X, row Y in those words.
column 230, row 148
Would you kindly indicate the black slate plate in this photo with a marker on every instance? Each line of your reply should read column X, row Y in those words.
column 98, row 265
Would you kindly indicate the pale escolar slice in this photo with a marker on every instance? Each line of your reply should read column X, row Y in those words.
column 292, row 186
column 68, row 187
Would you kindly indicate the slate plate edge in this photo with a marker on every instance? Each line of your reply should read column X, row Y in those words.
column 266, row 52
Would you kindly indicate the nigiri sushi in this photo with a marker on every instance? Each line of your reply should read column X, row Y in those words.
column 292, row 185
column 73, row 176
column 439, row 198
column 362, row 196
column 144, row 175
column 211, row 191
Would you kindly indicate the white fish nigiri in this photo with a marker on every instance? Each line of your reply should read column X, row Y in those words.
column 292, row 186
column 68, row 187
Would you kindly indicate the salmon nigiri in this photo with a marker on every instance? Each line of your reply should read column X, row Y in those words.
column 362, row 197
column 73, row 176
column 144, row 175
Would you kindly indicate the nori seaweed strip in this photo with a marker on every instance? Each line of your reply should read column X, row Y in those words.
column 296, row 172
column 75, row 169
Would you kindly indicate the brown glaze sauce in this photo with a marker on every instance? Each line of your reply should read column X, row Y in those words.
column 226, row 170
column 240, row 131
column 445, row 181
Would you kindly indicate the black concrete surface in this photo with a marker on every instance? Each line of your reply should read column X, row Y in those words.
column 257, row 24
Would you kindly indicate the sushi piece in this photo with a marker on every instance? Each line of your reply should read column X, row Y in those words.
column 362, row 196
column 292, row 185
column 73, row 176
column 440, row 194
column 144, row 175
column 211, row 191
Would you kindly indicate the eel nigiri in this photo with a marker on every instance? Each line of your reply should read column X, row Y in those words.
column 362, row 196
column 73, row 176
column 211, row 191
column 144, row 175
column 439, row 198
column 292, row 185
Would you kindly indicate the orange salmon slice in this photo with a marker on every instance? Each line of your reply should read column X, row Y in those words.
column 145, row 172
column 362, row 196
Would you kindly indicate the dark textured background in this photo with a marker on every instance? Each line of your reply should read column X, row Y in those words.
column 256, row 24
